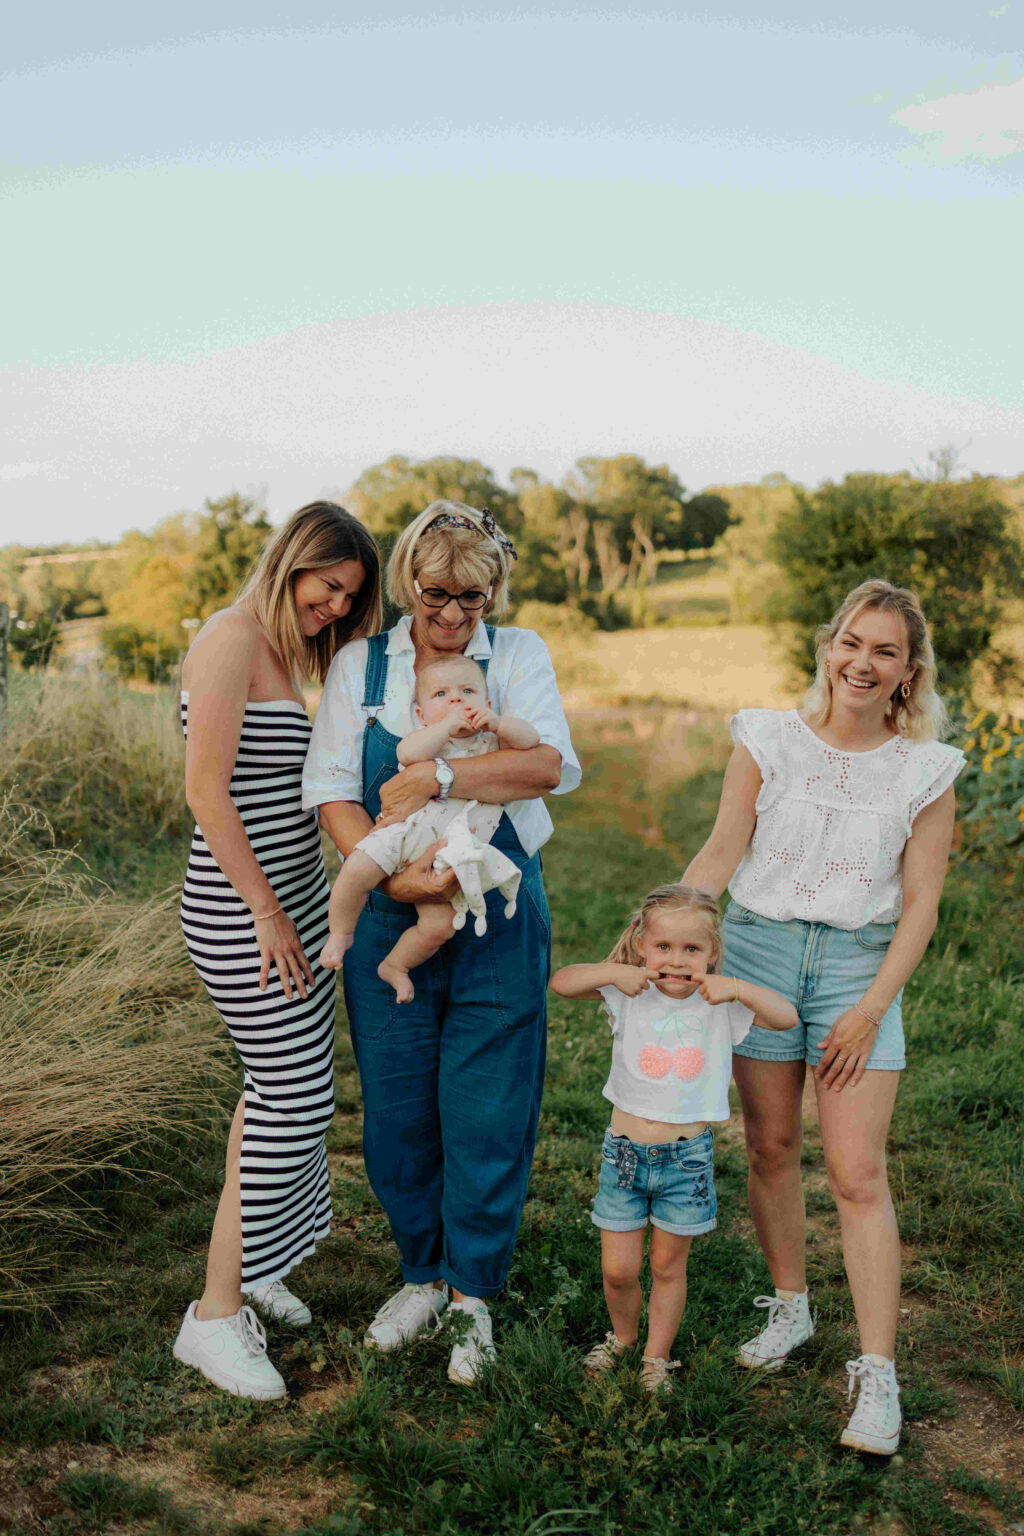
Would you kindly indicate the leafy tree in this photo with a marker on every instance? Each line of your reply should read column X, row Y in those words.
column 230, row 535
column 636, row 509
column 953, row 541
column 389, row 495
column 35, row 640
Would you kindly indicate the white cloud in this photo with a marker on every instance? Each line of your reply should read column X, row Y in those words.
column 986, row 124
column 26, row 471
column 511, row 384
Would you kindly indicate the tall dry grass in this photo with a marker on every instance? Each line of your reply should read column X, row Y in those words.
column 110, row 1054
column 102, row 761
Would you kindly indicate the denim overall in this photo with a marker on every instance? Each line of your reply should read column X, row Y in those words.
column 451, row 1081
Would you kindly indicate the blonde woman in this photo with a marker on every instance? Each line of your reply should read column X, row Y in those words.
column 833, row 834
column 254, row 915
column 452, row 1078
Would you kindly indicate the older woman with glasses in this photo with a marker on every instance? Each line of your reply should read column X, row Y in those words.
column 452, row 1079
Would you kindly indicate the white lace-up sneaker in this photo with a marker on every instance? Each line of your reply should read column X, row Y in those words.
column 411, row 1312
column 606, row 1355
column 277, row 1301
column 476, row 1345
column 789, row 1325
column 876, row 1421
column 231, row 1352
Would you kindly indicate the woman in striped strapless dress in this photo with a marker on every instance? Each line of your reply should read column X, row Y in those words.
column 254, row 915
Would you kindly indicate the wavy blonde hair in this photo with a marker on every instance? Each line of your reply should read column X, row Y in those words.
column 675, row 897
column 457, row 559
column 316, row 535
column 921, row 716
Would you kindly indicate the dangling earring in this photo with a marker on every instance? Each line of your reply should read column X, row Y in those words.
column 904, row 691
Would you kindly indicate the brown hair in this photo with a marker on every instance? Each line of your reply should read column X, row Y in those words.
column 316, row 535
column 921, row 716
column 675, row 897
column 459, row 559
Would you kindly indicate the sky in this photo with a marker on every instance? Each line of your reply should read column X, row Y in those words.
column 244, row 254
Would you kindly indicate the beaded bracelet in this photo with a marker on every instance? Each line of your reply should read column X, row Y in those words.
column 263, row 916
column 865, row 1015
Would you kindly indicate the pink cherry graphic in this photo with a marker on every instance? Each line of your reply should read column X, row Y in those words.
column 688, row 1062
column 654, row 1061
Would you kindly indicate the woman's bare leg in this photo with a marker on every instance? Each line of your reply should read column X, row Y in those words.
column 223, row 1294
column 854, row 1127
column 771, row 1093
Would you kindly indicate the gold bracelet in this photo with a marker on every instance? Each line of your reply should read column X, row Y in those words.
column 865, row 1015
column 265, row 915
column 735, row 989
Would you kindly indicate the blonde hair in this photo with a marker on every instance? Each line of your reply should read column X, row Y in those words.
column 921, row 716
column 676, row 897
column 457, row 559
column 456, row 660
column 317, row 535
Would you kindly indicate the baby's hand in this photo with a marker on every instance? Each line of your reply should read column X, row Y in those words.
column 456, row 717
column 482, row 717
column 714, row 988
column 632, row 979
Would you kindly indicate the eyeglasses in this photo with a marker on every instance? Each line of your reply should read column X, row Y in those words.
column 437, row 597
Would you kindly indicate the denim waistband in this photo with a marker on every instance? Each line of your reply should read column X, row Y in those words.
column 663, row 1151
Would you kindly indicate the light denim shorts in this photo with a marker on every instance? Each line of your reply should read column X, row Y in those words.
column 822, row 971
column 670, row 1184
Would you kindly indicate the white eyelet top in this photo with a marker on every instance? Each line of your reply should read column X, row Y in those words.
column 831, row 825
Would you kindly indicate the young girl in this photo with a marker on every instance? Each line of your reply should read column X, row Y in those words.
column 456, row 721
column 674, row 1023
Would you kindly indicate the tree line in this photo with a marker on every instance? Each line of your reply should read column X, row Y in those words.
column 590, row 545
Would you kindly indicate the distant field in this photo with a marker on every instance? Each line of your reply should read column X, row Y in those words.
column 709, row 668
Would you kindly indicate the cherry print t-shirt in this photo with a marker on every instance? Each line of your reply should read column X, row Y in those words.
column 672, row 1057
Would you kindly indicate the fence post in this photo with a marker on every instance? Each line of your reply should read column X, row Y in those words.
column 5, row 625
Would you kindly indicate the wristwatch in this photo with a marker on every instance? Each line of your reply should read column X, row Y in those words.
column 445, row 777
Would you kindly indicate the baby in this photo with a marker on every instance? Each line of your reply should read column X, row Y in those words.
column 456, row 720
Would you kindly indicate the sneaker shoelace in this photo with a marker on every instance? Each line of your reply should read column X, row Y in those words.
column 782, row 1314
column 402, row 1305
column 251, row 1331
column 873, row 1384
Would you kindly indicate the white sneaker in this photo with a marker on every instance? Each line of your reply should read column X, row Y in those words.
column 789, row 1325
column 277, row 1301
column 475, row 1347
column 231, row 1352
column 875, row 1425
column 412, row 1312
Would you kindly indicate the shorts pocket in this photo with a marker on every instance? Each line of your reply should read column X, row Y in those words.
column 734, row 913
column 874, row 936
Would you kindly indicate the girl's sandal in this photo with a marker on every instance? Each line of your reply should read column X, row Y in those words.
column 656, row 1375
column 606, row 1355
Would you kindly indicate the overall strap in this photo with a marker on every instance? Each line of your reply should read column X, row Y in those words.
column 485, row 660
column 376, row 676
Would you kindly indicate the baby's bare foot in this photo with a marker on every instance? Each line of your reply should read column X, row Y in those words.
column 399, row 979
column 333, row 951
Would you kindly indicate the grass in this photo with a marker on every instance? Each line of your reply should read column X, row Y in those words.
column 103, row 1431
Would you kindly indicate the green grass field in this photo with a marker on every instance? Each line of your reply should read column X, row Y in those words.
column 102, row 1431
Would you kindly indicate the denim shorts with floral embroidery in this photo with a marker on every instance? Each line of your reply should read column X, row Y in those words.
column 670, row 1184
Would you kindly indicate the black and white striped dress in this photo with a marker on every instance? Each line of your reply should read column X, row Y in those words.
column 287, row 1048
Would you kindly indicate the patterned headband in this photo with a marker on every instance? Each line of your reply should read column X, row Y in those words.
column 490, row 527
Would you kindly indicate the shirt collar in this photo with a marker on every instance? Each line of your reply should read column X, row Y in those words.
column 400, row 639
